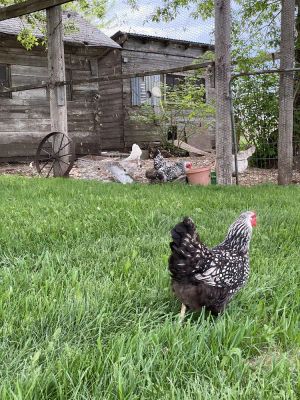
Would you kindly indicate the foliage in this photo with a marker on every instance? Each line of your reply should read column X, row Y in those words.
column 256, row 101
column 90, row 10
column 34, row 32
column 27, row 38
column 86, row 307
column 169, row 9
column 182, row 108
column 255, row 35
column 256, row 113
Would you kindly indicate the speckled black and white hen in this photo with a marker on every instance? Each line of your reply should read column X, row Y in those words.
column 203, row 277
column 163, row 172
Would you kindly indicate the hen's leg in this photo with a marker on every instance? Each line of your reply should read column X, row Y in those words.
column 182, row 313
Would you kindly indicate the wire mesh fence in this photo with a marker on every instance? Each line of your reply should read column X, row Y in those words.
column 256, row 124
column 256, row 100
column 263, row 169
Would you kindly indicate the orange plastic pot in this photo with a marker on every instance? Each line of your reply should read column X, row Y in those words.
column 199, row 176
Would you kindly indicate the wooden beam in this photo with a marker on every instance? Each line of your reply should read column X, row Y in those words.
column 123, row 39
column 27, row 7
column 190, row 149
column 108, row 78
column 58, row 96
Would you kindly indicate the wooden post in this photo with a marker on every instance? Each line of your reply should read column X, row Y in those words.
column 223, row 73
column 58, row 96
column 286, row 93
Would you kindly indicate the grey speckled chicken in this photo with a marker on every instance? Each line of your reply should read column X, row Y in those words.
column 163, row 172
column 203, row 277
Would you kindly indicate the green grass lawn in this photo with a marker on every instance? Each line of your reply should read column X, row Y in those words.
column 86, row 311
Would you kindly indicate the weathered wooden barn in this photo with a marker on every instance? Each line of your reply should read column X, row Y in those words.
column 140, row 53
column 98, row 113
column 25, row 115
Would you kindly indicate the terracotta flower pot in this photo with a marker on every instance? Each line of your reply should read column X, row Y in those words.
column 199, row 176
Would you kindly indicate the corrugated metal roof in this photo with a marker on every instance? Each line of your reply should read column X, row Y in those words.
column 119, row 34
column 86, row 34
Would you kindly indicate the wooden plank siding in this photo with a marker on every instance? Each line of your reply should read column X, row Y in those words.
column 149, row 55
column 25, row 118
column 111, row 114
column 98, row 113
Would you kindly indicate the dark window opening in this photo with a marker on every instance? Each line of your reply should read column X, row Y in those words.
column 201, row 82
column 5, row 79
column 173, row 80
column 172, row 132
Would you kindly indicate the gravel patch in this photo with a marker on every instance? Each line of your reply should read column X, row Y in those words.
column 97, row 168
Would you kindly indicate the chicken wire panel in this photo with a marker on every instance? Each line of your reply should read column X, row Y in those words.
column 262, row 167
column 256, row 110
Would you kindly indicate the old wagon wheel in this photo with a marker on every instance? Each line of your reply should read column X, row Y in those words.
column 55, row 155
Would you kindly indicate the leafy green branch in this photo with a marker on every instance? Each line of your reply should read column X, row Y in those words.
column 182, row 107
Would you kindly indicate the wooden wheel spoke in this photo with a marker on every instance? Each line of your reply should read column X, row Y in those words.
column 53, row 142
column 50, row 169
column 45, row 165
column 49, row 154
column 65, row 145
column 64, row 155
column 49, row 159
column 62, row 138
column 64, row 162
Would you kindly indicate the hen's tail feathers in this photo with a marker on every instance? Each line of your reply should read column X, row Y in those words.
column 156, row 152
column 158, row 161
column 154, row 176
column 187, row 250
column 184, row 236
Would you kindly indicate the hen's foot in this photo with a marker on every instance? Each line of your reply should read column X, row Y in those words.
column 182, row 313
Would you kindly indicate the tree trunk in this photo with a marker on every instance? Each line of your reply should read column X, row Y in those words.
column 223, row 73
column 286, row 92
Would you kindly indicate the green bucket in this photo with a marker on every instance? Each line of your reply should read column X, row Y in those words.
column 213, row 178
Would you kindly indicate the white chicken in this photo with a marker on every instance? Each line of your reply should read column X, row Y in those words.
column 135, row 154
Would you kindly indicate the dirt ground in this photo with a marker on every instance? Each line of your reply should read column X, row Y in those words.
column 96, row 168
